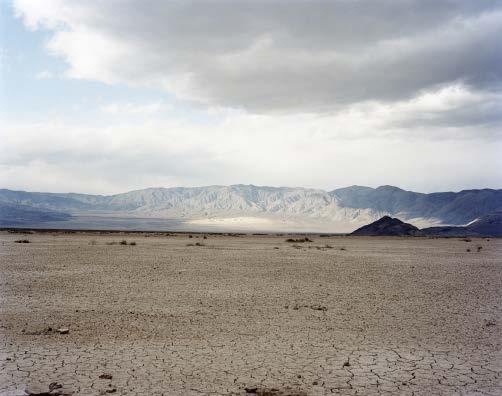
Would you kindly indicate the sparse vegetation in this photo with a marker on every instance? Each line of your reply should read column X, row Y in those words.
column 467, row 240
column 298, row 240
column 122, row 242
column 195, row 244
column 467, row 250
column 22, row 241
column 342, row 248
column 479, row 248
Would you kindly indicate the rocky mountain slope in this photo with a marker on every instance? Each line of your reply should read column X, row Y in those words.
column 339, row 210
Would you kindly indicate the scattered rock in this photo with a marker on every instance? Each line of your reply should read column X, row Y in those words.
column 106, row 376
column 55, row 389
column 274, row 392
column 54, row 385
column 63, row 330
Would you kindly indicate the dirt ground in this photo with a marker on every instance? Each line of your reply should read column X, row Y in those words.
column 249, row 315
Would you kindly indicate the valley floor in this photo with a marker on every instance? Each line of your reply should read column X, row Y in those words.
column 249, row 315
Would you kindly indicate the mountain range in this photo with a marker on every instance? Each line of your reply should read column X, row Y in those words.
column 246, row 207
column 489, row 225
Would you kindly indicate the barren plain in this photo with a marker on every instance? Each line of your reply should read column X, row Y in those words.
column 249, row 315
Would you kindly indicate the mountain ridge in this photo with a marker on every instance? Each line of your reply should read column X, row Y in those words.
column 341, row 210
column 489, row 225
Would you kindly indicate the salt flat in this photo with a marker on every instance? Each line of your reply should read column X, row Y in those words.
column 244, row 314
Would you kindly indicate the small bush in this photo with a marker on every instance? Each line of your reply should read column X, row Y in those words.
column 342, row 248
column 205, row 237
column 468, row 250
column 328, row 246
column 190, row 236
column 123, row 242
column 195, row 244
column 132, row 243
column 298, row 240
column 22, row 241
column 467, row 240
column 479, row 248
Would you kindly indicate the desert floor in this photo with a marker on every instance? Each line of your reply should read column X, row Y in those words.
column 249, row 315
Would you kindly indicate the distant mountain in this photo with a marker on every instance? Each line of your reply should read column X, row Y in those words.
column 448, row 207
column 22, row 215
column 274, row 208
column 387, row 226
column 488, row 225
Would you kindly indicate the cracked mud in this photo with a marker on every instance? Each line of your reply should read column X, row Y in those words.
column 407, row 316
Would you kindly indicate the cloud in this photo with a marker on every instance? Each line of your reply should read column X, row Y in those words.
column 44, row 75
column 308, row 150
column 317, row 94
column 278, row 56
column 130, row 108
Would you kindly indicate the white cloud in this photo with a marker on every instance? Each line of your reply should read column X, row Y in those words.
column 277, row 56
column 130, row 108
column 363, row 144
column 44, row 75
column 318, row 94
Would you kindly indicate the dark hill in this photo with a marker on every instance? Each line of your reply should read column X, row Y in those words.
column 387, row 226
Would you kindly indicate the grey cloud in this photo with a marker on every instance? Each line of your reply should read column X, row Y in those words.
column 284, row 56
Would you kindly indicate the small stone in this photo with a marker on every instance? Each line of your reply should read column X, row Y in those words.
column 106, row 376
column 63, row 330
column 54, row 385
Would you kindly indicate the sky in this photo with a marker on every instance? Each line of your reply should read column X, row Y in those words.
column 110, row 96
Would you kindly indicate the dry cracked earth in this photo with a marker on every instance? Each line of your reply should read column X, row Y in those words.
column 249, row 315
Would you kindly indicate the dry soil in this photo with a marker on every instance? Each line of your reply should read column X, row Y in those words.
column 249, row 315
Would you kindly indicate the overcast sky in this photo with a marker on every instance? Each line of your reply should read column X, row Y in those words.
column 109, row 96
